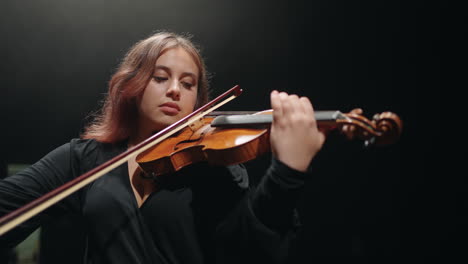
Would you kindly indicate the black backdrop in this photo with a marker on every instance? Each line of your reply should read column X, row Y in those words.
column 57, row 56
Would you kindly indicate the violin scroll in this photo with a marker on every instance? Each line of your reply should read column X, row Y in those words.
column 389, row 126
column 384, row 128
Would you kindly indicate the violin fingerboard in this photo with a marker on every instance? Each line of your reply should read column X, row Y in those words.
column 266, row 119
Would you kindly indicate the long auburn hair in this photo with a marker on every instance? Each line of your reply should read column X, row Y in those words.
column 116, row 120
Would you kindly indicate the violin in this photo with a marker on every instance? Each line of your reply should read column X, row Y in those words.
column 215, row 137
column 222, row 138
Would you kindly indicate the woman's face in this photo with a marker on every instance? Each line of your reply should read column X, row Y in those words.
column 172, row 92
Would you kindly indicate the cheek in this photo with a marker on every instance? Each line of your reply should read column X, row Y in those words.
column 145, row 102
column 194, row 101
column 141, row 102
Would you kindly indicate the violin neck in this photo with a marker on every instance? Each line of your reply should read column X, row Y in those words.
column 264, row 120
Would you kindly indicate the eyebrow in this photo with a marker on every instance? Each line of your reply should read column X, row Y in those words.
column 167, row 69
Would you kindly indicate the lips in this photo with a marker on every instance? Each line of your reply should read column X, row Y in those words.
column 170, row 108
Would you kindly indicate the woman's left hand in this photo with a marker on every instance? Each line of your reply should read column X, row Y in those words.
column 294, row 137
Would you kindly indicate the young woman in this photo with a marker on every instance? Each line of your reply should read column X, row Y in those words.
column 202, row 213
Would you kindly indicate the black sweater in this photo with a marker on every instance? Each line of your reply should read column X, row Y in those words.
column 201, row 214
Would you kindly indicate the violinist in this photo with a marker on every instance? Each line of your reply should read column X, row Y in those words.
column 199, row 214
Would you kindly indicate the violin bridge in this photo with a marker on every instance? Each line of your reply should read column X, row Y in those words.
column 197, row 124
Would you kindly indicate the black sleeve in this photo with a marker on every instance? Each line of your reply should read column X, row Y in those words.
column 274, row 199
column 52, row 171
column 262, row 228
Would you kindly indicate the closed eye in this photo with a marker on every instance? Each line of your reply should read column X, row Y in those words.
column 187, row 85
column 159, row 79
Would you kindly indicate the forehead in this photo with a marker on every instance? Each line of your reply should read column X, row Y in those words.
column 177, row 59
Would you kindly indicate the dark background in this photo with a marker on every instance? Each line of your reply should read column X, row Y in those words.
column 58, row 55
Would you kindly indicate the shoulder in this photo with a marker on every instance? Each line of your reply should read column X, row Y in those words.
column 79, row 145
column 75, row 147
column 90, row 151
column 71, row 154
column 82, row 153
column 85, row 147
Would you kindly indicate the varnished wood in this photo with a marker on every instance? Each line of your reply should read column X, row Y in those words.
column 233, row 143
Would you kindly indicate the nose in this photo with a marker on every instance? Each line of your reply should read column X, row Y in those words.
column 173, row 91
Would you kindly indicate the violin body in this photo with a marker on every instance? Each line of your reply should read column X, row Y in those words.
column 216, row 145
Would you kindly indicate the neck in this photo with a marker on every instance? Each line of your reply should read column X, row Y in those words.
column 142, row 132
column 139, row 136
